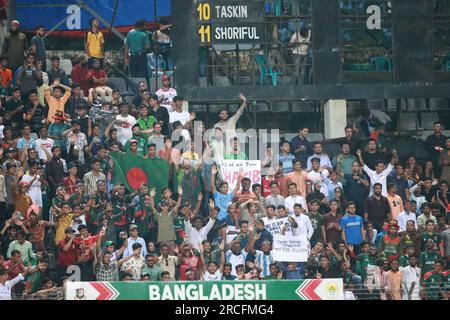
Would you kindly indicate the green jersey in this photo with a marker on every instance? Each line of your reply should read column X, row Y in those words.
column 154, row 271
column 424, row 236
column 426, row 261
column 141, row 145
column 434, row 284
column 403, row 261
column 146, row 124
column 362, row 261
column 178, row 224
column 317, row 221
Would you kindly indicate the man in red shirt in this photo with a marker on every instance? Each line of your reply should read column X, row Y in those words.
column 67, row 254
column 5, row 76
column 15, row 265
column 86, row 245
column 99, row 80
column 80, row 75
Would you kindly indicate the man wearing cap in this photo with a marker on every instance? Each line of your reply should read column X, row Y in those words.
column 57, row 101
column 11, row 154
column 134, row 231
column 22, row 201
column 151, row 267
column 391, row 245
column 76, row 145
column 67, row 253
column 166, row 93
column 141, row 143
column 15, row 45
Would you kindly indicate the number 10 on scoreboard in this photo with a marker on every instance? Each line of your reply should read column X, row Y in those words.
column 204, row 15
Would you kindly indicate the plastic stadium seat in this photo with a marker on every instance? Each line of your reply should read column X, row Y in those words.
column 118, row 84
column 265, row 70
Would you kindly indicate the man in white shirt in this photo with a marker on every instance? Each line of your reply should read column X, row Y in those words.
column 135, row 239
column 380, row 174
column 31, row 177
column 235, row 256
column 124, row 124
column 411, row 276
column 178, row 114
column 44, row 143
column 325, row 162
column 293, row 198
column 228, row 124
column 166, row 93
column 198, row 232
column 304, row 225
column 6, row 286
column 317, row 174
column 406, row 215
column 212, row 272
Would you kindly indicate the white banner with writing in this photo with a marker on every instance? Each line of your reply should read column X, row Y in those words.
column 230, row 171
column 290, row 248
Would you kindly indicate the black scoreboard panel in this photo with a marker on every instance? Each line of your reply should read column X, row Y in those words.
column 230, row 21
column 359, row 49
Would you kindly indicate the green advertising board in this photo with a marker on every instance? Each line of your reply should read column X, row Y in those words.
column 310, row 289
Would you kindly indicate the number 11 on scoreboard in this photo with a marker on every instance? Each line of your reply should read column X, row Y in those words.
column 205, row 33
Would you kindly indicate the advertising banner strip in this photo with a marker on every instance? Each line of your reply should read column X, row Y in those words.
column 309, row 289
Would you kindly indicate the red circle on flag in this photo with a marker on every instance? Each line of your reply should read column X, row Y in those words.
column 135, row 177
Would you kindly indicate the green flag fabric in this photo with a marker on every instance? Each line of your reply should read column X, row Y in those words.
column 133, row 170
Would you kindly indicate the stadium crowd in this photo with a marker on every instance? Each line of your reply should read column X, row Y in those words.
column 373, row 216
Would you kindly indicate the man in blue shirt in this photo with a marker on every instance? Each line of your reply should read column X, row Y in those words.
column 222, row 198
column 286, row 157
column 352, row 227
column 301, row 147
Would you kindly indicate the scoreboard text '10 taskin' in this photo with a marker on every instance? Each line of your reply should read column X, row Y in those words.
column 231, row 21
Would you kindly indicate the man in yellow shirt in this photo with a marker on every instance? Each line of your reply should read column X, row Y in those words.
column 94, row 43
column 58, row 100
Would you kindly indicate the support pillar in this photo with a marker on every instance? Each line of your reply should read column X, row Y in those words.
column 335, row 118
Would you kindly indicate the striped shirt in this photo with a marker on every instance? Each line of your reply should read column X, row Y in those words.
column 263, row 261
column 90, row 181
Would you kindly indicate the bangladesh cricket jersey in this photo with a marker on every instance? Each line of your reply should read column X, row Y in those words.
column 391, row 246
column 426, row 261
column 434, row 284
column 362, row 261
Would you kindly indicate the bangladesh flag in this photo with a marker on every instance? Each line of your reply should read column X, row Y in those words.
column 133, row 170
